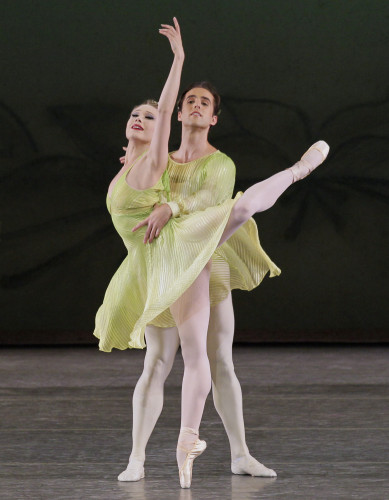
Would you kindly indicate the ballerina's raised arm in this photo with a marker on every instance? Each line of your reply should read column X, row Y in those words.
column 149, row 169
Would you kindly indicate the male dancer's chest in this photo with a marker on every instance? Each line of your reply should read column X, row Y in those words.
column 185, row 179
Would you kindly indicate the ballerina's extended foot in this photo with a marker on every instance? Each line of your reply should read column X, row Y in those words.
column 248, row 465
column 185, row 471
column 134, row 472
column 310, row 160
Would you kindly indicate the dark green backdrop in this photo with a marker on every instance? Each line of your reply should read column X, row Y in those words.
column 290, row 72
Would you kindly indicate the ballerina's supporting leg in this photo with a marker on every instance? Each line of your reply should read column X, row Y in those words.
column 191, row 314
column 147, row 401
column 227, row 393
column 264, row 194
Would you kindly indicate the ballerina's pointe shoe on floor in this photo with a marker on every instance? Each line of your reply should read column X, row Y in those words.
column 185, row 471
column 134, row 472
column 310, row 160
column 248, row 465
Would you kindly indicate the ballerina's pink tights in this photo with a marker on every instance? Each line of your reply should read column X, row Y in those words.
column 191, row 314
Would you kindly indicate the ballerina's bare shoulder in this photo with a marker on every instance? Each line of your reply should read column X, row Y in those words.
column 143, row 174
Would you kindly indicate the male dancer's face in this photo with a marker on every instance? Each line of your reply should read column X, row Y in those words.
column 197, row 109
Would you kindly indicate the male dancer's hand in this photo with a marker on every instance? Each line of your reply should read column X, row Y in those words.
column 155, row 222
column 122, row 159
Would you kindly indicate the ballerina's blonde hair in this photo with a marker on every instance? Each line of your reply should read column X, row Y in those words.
column 149, row 102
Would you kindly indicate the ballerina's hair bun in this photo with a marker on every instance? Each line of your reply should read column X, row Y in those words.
column 149, row 102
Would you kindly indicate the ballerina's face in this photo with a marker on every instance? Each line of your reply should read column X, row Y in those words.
column 197, row 109
column 141, row 123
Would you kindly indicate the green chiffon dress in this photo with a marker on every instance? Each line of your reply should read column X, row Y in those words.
column 153, row 276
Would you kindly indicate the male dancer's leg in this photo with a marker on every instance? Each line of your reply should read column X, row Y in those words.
column 227, row 393
column 147, row 401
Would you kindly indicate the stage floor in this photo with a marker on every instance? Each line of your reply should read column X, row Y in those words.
column 318, row 415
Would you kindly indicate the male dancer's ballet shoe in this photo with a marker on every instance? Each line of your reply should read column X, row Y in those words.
column 134, row 472
column 248, row 465
column 305, row 166
column 185, row 471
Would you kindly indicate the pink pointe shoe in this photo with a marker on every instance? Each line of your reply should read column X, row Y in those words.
column 185, row 471
column 309, row 161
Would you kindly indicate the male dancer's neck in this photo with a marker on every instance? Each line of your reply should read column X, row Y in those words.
column 194, row 145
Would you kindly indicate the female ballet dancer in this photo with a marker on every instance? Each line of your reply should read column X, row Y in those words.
column 173, row 271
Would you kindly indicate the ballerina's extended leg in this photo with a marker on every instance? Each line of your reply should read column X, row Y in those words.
column 264, row 194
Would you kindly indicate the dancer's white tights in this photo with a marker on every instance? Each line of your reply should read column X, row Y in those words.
column 262, row 195
column 227, row 393
column 162, row 345
column 191, row 315
column 147, row 400
column 257, row 198
column 226, row 390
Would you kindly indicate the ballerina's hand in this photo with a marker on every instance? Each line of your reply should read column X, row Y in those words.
column 155, row 222
column 122, row 159
column 174, row 36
